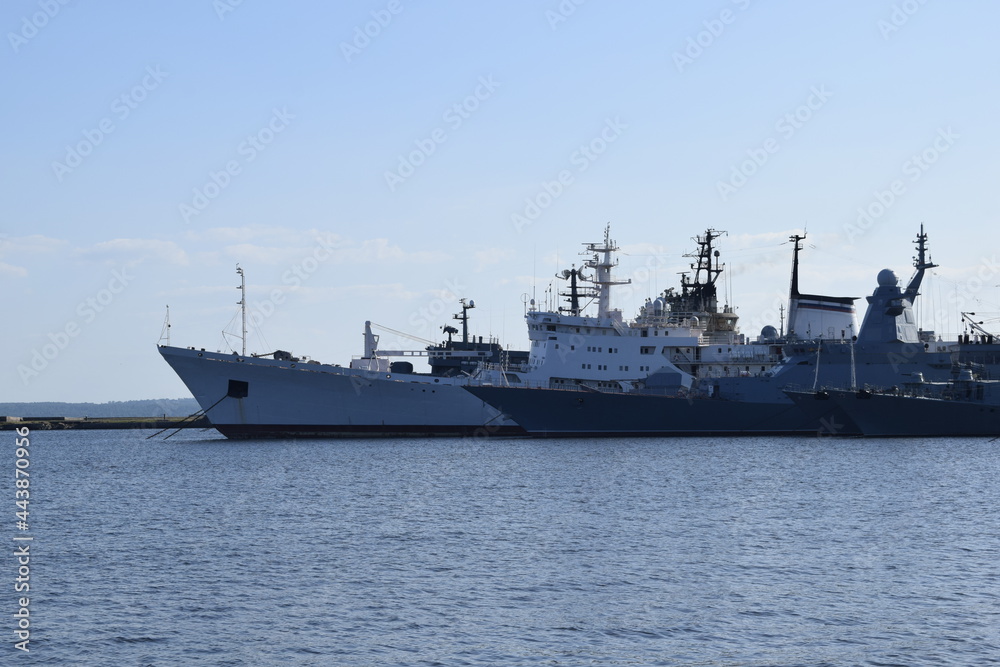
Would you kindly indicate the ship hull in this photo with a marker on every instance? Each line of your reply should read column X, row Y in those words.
column 263, row 398
column 572, row 413
column 891, row 415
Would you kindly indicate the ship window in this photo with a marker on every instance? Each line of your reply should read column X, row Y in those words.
column 647, row 350
column 550, row 327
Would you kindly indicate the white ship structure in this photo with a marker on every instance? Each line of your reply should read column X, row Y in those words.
column 675, row 341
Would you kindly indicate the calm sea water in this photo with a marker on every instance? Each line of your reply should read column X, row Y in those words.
column 199, row 550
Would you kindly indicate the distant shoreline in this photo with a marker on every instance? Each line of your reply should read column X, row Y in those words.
column 66, row 424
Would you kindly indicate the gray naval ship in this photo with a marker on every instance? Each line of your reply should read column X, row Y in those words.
column 820, row 350
column 965, row 406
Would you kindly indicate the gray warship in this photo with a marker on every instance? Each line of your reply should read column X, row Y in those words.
column 820, row 350
column 965, row 406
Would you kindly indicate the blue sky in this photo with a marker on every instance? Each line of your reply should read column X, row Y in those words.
column 379, row 160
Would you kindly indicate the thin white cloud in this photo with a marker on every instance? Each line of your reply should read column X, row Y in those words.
column 11, row 270
column 379, row 250
column 247, row 234
column 26, row 249
column 135, row 251
column 493, row 256
column 29, row 245
column 331, row 248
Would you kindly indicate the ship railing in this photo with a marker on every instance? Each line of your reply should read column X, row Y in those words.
column 509, row 368
column 721, row 338
column 947, row 391
column 904, row 388
column 755, row 359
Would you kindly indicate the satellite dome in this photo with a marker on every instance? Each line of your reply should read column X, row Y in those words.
column 886, row 278
column 768, row 332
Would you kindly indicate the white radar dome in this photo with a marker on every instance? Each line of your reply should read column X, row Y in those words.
column 886, row 278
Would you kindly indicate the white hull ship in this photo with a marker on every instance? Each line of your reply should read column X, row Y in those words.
column 675, row 341
column 246, row 397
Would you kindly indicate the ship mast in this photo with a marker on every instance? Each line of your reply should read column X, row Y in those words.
column 703, row 292
column 464, row 317
column 921, row 262
column 573, row 275
column 602, row 263
column 242, row 287
column 165, row 332
column 793, row 290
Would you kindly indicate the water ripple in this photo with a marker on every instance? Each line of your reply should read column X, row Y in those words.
column 447, row 552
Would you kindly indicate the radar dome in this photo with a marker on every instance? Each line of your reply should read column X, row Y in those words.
column 768, row 332
column 886, row 278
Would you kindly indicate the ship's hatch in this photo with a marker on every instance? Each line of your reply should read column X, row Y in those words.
column 238, row 389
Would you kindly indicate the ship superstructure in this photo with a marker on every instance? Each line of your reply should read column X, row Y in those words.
column 679, row 337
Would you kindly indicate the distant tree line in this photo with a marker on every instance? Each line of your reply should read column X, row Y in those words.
column 171, row 407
